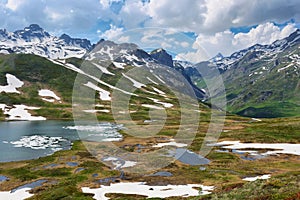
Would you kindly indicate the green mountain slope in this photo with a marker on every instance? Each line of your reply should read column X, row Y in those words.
column 263, row 81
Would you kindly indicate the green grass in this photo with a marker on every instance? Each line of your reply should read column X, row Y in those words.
column 285, row 186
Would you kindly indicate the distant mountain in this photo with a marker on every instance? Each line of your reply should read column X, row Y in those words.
column 261, row 51
column 35, row 40
column 120, row 55
column 217, row 58
column 262, row 80
column 162, row 56
column 37, row 73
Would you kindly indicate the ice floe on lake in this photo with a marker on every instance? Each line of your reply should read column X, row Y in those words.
column 40, row 142
column 140, row 188
column 101, row 132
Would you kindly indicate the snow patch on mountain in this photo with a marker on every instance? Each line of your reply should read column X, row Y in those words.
column 20, row 113
column 35, row 40
column 48, row 93
column 12, row 84
column 135, row 83
column 104, row 95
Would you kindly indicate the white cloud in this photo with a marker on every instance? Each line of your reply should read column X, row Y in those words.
column 113, row 33
column 211, row 20
column 211, row 16
column 106, row 3
column 67, row 16
column 14, row 4
column 194, row 57
column 183, row 14
column 124, row 39
column 262, row 34
column 227, row 42
column 133, row 14
column 197, row 55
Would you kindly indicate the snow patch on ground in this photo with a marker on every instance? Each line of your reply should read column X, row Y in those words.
column 140, row 188
column 158, row 91
column 135, row 83
column 119, row 65
column 166, row 105
column 74, row 68
column 12, row 84
column 104, row 95
column 20, row 112
column 119, row 163
column 95, row 111
column 152, row 106
column 152, row 81
column 255, row 119
column 274, row 148
column 17, row 195
column 103, row 69
column 171, row 143
column 283, row 68
column 159, row 79
column 48, row 93
column 129, row 164
column 263, row 177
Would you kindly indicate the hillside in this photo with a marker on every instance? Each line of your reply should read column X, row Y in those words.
column 261, row 81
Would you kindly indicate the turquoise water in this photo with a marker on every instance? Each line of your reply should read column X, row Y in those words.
column 24, row 140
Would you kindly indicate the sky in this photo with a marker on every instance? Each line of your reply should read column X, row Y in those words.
column 192, row 30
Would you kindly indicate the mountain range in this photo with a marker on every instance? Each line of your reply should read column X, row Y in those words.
column 35, row 40
column 260, row 81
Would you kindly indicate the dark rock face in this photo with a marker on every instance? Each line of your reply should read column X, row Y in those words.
column 162, row 57
column 32, row 32
column 83, row 43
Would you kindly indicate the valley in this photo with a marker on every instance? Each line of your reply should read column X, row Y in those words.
column 112, row 121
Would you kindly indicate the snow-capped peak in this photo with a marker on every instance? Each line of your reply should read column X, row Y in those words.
column 35, row 40
column 218, row 57
column 225, row 63
column 32, row 33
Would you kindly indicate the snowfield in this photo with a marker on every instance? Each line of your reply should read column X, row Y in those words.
column 135, row 83
column 104, row 95
column 273, row 148
column 171, row 143
column 12, row 84
column 140, row 188
column 20, row 112
column 263, row 177
column 17, row 195
column 48, row 93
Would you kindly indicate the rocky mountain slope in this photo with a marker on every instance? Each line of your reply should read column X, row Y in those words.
column 35, row 40
column 262, row 80
column 38, row 71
